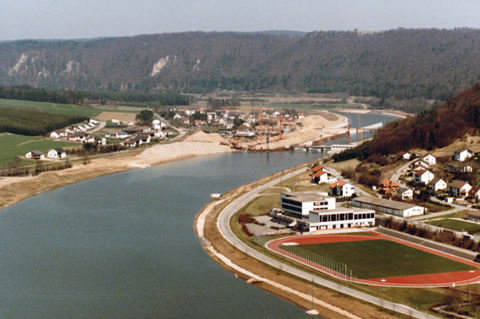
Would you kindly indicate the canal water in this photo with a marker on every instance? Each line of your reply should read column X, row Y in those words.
column 123, row 246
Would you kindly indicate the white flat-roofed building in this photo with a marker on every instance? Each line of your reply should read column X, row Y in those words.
column 388, row 206
column 299, row 204
column 339, row 218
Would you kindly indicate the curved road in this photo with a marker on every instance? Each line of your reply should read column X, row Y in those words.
column 223, row 224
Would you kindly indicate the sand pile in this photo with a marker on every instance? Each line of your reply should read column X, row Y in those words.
column 169, row 152
column 204, row 137
column 319, row 121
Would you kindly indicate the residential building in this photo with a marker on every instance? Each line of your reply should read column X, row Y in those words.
column 474, row 193
column 404, row 156
column 57, row 153
column 404, row 193
column 457, row 167
column 322, row 177
column 386, row 206
column 430, row 159
column 342, row 189
column 36, row 155
column 473, row 216
column 423, row 177
column 459, row 188
column 462, row 155
column 437, row 184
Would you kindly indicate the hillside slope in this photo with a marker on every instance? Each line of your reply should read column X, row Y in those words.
column 433, row 129
column 403, row 63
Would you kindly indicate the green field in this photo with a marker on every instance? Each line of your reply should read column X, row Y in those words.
column 74, row 110
column 457, row 225
column 380, row 258
column 18, row 145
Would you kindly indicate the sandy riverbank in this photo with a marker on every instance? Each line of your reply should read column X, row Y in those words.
column 15, row 189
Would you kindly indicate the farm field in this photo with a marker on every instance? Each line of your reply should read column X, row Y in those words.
column 18, row 145
column 457, row 225
column 67, row 109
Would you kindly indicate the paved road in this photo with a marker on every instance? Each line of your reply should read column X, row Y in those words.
column 223, row 224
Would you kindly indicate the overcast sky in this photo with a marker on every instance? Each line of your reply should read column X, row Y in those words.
column 73, row 19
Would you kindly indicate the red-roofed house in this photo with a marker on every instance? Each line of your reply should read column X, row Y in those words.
column 473, row 216
column 322, row 177
column 404, row 155
column 342, row 189
column 459, row 188
column 319, row 168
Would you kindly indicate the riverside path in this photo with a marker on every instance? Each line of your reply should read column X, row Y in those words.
column 223, row 224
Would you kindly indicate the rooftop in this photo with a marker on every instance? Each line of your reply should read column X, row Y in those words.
column 383, row 202
column 307, row 196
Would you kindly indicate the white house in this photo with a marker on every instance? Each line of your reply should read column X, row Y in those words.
column 456, row 167
column 93, row 121
column 57, row 153
column 404, row 193
column 404, row 155
column 342, row 189
column 474, row 193
column 459, row 188
column 322, row 177
column 36, row 155
column 419, row 164
column 437, row 184
column 462, row 155
column 423, row 177
column 430, row 159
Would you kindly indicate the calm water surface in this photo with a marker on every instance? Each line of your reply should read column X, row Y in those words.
column 123, row 246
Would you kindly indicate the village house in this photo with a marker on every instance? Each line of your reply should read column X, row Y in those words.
column 322, row 176
column 430, row 159
column 58, row 134
column 387, row 188
column 437, row 184
column 342, row 189
column 36, row 155
column 423, row 177
column 462, row 155
column 474, row 216
column 474, row 193
column 459, row 188
column 404, row 156
column 57, row 153
column 419, row 165
column 457, row 167
column 404, row 193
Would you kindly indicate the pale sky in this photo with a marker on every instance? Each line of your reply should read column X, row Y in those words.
column 74, row 19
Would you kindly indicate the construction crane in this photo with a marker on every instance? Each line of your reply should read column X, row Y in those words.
column 360, row 128
column 280, row 129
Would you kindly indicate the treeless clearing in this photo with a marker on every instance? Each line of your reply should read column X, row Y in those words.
column 122, row 116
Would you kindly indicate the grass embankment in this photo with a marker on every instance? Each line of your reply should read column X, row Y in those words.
column 456, row 225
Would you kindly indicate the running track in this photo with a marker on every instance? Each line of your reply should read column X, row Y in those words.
column 419, row 281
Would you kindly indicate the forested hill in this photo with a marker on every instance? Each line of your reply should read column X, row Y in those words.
column 403, row 63
column 437, row 128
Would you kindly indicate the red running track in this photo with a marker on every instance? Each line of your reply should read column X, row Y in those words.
column 420, row 281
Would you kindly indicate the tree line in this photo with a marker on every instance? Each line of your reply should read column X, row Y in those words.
column 28, row 93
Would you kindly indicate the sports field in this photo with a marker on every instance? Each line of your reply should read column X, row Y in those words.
column 378, row 260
